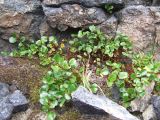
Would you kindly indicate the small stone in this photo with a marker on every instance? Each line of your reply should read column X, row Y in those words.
column 6, row 109
column 149, row 113
column 19, row 101
column 4, row 90
column 89, row 103
column 156, row 104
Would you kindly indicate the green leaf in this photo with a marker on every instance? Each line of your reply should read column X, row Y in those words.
column 80, row 34
column 92, row 28
column 12, row 40
column 88, row 49
column 51, row 116
column 123, row 75
column 73, row 62
column 94, row 88
column 112, row 78
column 105, row 71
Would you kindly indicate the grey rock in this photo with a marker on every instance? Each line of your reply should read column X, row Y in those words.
column 138, row 2
column 156, row 13
column 19, row 101
column 93, row 104
column 4, row 90
column 149, row 113
column 116, row 95
column 156, row 104
column 89, row 3
column 22, row 6
column 74, row 16
column 141, row 104
column 109, row 27
column 6, row 109
column 137, row 22
column 156, row 3
column 20, row 23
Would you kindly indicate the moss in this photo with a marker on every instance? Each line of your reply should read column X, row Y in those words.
column 24, row 73
column 69, row 115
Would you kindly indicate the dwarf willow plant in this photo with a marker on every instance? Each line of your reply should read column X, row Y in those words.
column 94, row 41
column 88, row 47
column 44, row 48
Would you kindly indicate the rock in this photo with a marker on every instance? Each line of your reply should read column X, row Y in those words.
column 19, row 101
column 149, row 113
column 141, row 104
column 156, row 104
column 6, row 109
column 93, row 104
column 74, row 16
column 4, row 90
column 156, row 3
column 109, row 27
column 116, row 95
column 19, row 19
column 138, row 2
column 30, row 114
column 137, row 22
column 24, row 73
column 88, row 3
column 23, row 6
column 156, row 14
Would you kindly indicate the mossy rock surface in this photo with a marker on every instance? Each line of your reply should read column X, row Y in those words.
column 26, row 74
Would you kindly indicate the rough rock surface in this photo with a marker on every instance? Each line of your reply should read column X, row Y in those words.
column 19, row 101
column 74, row 16
column 92, row 104
column 156, row 105
column 138, row 23
column 6, row 109
column 149, row 113
column 4, row 90
column 89, row 3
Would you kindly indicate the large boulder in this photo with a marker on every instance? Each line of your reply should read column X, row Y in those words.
column 93, row 104
column 74, row 16
column 138, row 23
column 20, row 16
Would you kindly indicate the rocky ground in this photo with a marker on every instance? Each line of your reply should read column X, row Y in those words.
column 138, row 19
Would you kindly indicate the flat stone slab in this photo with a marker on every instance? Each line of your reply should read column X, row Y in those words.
column 89, row 103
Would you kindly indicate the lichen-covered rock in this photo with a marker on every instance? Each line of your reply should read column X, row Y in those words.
column 25, row 74
column 74, row 16
column 138, row 23
column 89, row 3
column 93, row 104
column 23, row 6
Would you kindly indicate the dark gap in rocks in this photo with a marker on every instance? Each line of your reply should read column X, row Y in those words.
column 115, row 9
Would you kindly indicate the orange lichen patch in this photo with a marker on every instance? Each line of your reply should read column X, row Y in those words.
column 24, row 73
